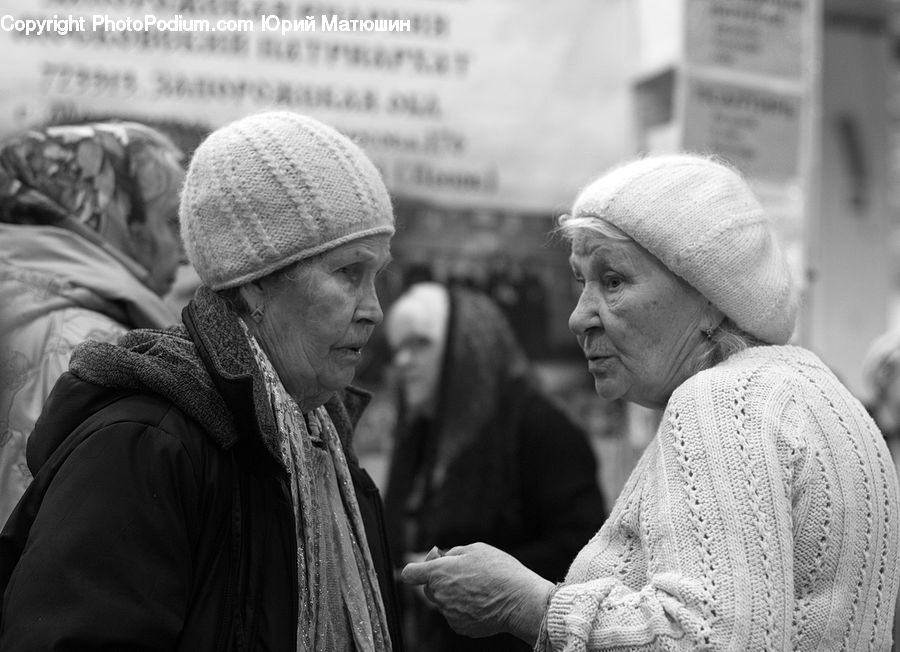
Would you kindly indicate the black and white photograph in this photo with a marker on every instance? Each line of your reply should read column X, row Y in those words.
column 449, row 325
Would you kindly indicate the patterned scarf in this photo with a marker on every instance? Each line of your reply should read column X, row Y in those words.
column 340, row 603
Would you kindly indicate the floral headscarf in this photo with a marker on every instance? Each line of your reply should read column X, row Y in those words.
column 93, row 178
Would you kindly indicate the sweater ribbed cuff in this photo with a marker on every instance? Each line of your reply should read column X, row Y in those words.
column 543, row 640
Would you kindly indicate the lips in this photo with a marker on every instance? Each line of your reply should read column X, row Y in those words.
column 597, row 363
column 593, row 353
column 356, row 346
column 351, row 351
column 348, row 355
column 596, row 360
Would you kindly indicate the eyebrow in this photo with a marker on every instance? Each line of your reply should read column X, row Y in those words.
column 359, row 255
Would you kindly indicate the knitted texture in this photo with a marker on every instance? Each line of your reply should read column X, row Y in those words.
column 703, row 222
column 272, row 189
column 763, row 516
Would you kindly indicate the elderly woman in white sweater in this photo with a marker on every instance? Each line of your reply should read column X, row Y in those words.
column 764, row 513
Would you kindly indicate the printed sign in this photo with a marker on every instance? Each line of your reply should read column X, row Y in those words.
column 512, row 103
column 755, row 129
column 760, row 36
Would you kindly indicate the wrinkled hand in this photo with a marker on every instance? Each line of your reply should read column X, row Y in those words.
column 481, row 591
column 419, row 591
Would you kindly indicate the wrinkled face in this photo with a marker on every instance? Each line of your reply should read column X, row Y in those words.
column 317, row 320
column 157, row 246
column 639, row 325
column 416, row 332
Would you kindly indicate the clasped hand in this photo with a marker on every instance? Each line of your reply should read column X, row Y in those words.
column 481, row 591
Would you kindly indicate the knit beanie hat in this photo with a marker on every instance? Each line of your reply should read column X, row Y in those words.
column 702, row 221
column 272, row 189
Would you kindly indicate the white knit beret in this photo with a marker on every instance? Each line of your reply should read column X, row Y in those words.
column 702, row 221
column 272, row 189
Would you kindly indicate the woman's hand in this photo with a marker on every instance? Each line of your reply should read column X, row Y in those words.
column 418, row 591
column 481, row 591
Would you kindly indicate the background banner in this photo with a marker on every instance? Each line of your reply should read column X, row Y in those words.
column 505, row 103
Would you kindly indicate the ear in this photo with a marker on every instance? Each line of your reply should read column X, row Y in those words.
column 253, row 294
column 712, row 318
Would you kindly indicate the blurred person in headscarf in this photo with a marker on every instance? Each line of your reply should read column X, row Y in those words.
column 88, row 245
column 481, row 452
column 881, row 371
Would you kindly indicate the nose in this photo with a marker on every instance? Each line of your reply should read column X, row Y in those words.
column 402, row 357
column 586, row 314
column 369, row 306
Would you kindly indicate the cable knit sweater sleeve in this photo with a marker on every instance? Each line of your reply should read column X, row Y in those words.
column 763, row 516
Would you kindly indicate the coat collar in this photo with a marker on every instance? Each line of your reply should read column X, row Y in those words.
column 224, row 351
column 207, row 369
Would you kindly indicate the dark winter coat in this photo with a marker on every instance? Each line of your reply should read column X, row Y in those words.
column 158, row 519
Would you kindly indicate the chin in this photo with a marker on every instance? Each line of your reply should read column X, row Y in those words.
column 414, row 401
column 608, row 390
column 347, row 380
column 338, row 382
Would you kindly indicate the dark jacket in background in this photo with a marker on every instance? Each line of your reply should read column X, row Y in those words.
column 517, row 473
column 158, row 519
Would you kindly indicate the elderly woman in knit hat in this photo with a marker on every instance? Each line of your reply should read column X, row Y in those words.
column 195, row 488
column 764, row 513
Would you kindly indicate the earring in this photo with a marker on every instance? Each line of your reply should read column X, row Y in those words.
column 257, row 314
column 708, row 332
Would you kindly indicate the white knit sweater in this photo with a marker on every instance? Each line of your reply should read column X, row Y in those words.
column 763, row 516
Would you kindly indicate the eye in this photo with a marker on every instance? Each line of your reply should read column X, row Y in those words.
column 612, row 282
column 351, row 272
column 173, row 222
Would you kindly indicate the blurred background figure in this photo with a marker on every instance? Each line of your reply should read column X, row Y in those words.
column 481, row 454
column 881, row 371
column 88, row 245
